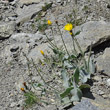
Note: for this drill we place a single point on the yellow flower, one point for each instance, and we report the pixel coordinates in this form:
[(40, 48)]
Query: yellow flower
[(68, 27), (42, 52), (49, 22), (22, 89)]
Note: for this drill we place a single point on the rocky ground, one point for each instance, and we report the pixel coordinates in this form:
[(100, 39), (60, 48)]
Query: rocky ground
[(22, 27)]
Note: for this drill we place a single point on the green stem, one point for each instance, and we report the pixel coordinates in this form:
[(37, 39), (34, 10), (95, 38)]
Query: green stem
[(42, 77), (38, 71), (83, 55), (74, 44), (63, 40), (52, 44), (53, 37)]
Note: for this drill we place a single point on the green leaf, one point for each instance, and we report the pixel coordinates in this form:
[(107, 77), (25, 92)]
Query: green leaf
[(77, 33), (76, 75), (66, 92), (73, 57), (84, 75), (55, 51), (65, 79), (84, 86), (31, 98)]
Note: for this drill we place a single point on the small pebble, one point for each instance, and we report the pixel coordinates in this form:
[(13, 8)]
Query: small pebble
[(104, 96), (100, 92), (108, 82), (97, 78), (13, 104)]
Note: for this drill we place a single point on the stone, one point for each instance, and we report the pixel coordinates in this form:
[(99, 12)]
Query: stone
[(103, 62), (13, 104), (26, 37), (7, 29), (69, 0), (104, 96), (35, 53), (64, 3), (59, 1), (85, 105), (10, 52), (28, 12), (30, 44), (97, 78), (100, 92), (108, 82), (93, 32), (27, 2), (99, 103)]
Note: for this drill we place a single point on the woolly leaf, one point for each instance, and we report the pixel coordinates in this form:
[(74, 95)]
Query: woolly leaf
[(84, 75), (76, 75), (66, 92), (65, 78)]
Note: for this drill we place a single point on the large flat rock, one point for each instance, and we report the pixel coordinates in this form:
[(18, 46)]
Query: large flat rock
[(89, 104), (94, 32), (27, 12), (29, 1), (103, 62), (7, 29)]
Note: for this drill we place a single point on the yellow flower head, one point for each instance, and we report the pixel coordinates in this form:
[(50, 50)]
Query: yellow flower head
[(68, 27), (49, 22), (42, 52), (22, 89)]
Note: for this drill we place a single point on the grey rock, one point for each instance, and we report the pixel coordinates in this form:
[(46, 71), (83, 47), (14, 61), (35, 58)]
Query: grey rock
[(28, 12), (85, 105), (64, 3), (100, 92), (93, 32), (97, 78), (108, 82), (10, 52), (27, 2), (26, 43), (59, 1), (69, 0), (7, 29), (103, 62), (35, 53), (13, 104), (104, 96)]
